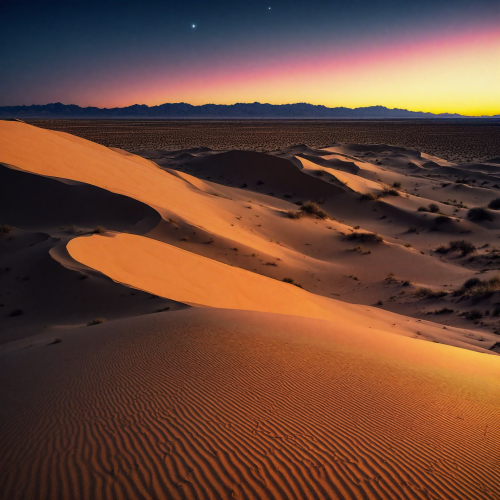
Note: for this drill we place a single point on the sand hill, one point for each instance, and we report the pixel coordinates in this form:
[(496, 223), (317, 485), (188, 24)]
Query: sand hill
[(294, 324)]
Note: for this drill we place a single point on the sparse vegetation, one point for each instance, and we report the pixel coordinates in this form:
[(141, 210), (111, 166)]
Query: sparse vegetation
[(379, 303), (413, 229), (292, 282), (387, 190), (369, 197), (397, 185), (479, 214), (365, 237), (479, 289), (494, 204), (96, 321), (99, 230), (311, 208), (427, 293), (271, 264), (434, 208), (473, 314), (463, 246), (318, 173), (444, 310), (294, 215)]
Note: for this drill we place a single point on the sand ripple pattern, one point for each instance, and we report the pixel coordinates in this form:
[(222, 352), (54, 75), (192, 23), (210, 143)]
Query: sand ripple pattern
[(210, 405)]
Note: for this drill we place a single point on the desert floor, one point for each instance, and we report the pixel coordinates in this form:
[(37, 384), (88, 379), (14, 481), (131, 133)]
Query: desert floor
[(313, 321)]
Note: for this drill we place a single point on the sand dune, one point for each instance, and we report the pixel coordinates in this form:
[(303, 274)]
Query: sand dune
[(214, 376), (213, 404)]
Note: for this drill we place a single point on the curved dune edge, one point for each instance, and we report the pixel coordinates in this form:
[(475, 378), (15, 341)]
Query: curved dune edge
[(229, 404), (179, 275)]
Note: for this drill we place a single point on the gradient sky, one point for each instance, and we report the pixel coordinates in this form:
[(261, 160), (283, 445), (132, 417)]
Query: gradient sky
[(428, 55)]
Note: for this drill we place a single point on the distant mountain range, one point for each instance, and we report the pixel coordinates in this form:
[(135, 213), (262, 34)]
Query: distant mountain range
[(239, 110)]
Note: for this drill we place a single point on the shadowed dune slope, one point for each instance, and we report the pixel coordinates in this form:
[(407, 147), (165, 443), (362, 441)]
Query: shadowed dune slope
[(231, 404), (262, 171), (32, 202)]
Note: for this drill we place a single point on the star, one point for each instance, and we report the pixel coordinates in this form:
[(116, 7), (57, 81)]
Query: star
[(193, 26), (269, 8)]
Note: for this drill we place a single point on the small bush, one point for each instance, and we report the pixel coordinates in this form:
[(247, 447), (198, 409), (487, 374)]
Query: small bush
[(99, 230), (427, 293), (473, 314), (422, 209), (365, 237), (441, 219), (413, 229), (494, 204), (479, 289), (96, 321), (379, 303), (434, 208), (397, 185), (369, 197), (294, 215), (292, 282), (444, 310), (271, 264), (5, 229), (442, 249), (479, 214), (312, 208), (390, 191), (463, 246), (318, 173)]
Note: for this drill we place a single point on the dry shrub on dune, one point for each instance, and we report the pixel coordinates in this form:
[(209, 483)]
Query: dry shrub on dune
[(479, 214), (294, 215), (5, 229), (365, 237), (311, 208), (427, 293), (479, 289), (387, 190), (369, 197), (463, 246), (494, 204)]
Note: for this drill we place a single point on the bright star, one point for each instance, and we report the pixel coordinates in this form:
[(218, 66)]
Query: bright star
[(269, 8), (193, 26)]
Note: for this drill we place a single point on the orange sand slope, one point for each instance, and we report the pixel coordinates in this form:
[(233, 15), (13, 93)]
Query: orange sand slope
[(173, 273), (229, 404)]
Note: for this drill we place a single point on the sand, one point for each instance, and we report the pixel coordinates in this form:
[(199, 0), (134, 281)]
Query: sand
[(212, 375)]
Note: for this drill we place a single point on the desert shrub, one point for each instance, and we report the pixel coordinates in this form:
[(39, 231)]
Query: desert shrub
[(5, 229), (292, 282), (441, 219), (434, 208), (369, 197), (99, 230), (479, 214), (408, 245), (397, 185), (444, 310), (365, 237), (427, 293), (494, 204), (473, 314), (442, 249), (406, 283), (318, 173), (379, 303), (413, 229), (312, 208), (463, 246), (479, 289), (96, 321), (387, 190), (422, 209), (294, 215)]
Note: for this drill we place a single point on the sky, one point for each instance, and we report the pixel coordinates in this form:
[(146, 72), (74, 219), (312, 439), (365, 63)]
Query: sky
[(427, 55)]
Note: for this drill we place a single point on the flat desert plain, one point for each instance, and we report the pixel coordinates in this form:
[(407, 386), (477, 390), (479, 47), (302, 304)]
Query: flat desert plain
[(312, 321)]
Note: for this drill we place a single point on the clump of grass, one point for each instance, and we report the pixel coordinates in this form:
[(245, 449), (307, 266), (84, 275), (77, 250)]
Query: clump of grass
[(422, 209), (271, 264), (311, 208), (387, 190), (408, 245), (365, 237), (434, 208), (99, 230), (369, 197), (479, 214), (96, 321), (494, 204), (444, 310), (441, 219), (5, 229), (463, 246), (379, 303), (292, 282), (318, 173), (397, 185), (209, 242), (473, 314), (413, 229), (479, 289), (427, 293), (294, 215)]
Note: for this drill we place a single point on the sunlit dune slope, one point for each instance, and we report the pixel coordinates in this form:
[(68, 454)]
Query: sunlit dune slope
[(231, 404), (185, 277)]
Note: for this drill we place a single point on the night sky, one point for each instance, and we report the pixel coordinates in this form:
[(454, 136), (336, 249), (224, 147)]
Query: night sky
[(430, 55)]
